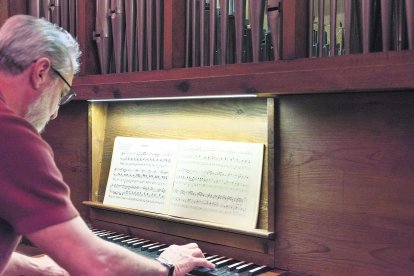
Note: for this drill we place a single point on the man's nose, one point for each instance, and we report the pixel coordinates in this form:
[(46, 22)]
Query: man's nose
[(54, 115)]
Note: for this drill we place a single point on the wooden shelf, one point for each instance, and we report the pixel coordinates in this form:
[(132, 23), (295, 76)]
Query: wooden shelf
[(384, 71), (261, 233)]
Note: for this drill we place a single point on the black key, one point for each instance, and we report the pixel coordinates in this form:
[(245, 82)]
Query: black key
[(215, 260), (224, 262), (103, 235), (159, 251), (121, 238), (258, 270), (211, 257), (102, 232), (130, 240), (145, 247), (115, 236), (243, 267), (156, 247), (233, 266), (140, 243), (96, 231)]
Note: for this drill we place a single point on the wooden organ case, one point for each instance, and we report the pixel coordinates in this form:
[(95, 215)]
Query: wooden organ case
[(250, 120), (337, 182)]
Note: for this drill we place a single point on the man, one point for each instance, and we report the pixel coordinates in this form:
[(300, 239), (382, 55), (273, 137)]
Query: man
[(37, 63)]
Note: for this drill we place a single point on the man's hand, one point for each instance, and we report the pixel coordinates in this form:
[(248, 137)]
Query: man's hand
[(33, 266), (185, 258)]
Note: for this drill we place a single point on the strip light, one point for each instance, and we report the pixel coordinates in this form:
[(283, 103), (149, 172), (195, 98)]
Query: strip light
[(176, 98)]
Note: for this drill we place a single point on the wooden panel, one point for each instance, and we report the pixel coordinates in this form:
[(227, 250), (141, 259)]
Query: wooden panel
[(168, 38), (273, 152), (153, 218), (97, 125), (18, 7), (4, 12), (345, 202), (174, 34), (243, 241), (350, 73), (86, 26), (9, 8), (68, 136), (294, 29)]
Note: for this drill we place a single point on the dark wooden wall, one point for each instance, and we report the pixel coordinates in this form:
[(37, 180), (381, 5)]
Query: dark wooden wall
[(346, 189), (68, 136)]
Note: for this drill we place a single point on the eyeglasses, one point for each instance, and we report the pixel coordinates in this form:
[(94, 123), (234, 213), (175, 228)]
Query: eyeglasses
[(65, 98)]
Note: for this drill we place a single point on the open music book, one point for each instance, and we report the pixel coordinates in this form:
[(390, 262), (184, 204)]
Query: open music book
[(206, 180)]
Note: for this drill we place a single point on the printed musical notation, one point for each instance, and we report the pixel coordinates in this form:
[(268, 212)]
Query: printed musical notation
[(213, 181), (141, 173), (211, 202)]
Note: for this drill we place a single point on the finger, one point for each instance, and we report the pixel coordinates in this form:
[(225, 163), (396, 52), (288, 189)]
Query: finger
[(196, 252), (191, 245), (204, 262)]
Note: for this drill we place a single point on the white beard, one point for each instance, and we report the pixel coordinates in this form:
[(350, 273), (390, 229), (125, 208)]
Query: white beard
[(37, 111)]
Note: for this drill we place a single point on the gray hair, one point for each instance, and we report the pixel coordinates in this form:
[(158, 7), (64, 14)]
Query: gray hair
[(24, 39)]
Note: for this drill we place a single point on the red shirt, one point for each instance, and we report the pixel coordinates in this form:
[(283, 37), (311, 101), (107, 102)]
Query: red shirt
[(33, 194)]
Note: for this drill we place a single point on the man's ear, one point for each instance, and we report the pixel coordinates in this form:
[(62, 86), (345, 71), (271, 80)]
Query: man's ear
[(40, 72)]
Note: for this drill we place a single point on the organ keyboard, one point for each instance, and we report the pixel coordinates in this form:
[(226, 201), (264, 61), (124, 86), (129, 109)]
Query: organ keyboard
[(225, 266)]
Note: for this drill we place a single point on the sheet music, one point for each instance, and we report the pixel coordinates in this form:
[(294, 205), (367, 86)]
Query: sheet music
[(218, 182), (213, 181), (141, 173)]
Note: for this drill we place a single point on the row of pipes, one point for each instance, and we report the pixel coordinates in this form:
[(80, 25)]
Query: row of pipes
[(129, 33), (338, 27)]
